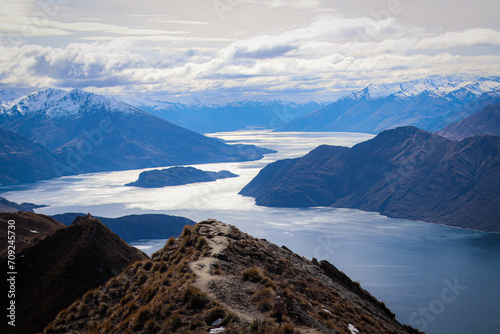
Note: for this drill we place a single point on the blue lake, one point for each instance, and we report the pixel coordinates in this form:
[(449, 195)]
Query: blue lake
[(435, 278)]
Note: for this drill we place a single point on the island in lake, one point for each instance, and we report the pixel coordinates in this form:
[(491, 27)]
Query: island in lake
[(176, 176)]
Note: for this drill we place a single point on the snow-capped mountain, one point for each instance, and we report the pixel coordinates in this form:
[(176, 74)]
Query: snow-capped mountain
[(6, 99), (430, 104), (8, 95), (434, 85), (91, 132), (60, 103)]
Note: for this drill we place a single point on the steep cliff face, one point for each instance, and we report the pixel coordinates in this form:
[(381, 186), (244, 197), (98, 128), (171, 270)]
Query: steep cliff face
[(214, 275), (405, 173), (59, 269)]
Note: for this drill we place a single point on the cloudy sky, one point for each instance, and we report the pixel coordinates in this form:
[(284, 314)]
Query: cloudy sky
[(234, 49)]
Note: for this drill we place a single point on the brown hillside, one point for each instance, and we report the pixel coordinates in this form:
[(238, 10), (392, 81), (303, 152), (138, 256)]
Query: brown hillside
[(213, 271), (59, 269), (29, 229)]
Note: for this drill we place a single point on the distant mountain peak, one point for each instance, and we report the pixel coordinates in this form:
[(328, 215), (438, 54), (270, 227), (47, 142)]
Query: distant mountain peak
[(433, 85), (57, 103), (429, 103)]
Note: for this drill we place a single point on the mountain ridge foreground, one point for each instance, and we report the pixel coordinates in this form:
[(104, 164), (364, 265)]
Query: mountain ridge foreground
[(214, 275), (402, 173), (56, 271)]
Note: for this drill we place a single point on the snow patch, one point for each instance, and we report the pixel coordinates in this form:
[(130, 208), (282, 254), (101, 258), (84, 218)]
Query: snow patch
[(353, 329), (217, 330)]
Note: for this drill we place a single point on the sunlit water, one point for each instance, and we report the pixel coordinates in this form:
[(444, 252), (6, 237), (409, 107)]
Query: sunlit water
[(436, 278)]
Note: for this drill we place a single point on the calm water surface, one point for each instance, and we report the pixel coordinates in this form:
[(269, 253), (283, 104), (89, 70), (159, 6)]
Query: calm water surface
[(436, 278)]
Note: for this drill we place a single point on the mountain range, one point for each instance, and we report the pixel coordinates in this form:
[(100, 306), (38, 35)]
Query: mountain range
[(7, 96), (86, 132), (430, 104), (204, 117), (403, 173)]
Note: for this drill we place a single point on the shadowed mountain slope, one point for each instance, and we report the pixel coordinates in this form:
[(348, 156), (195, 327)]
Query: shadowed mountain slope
[(59, 269), (214, 271), (8, 206), (22, 160), (484, 122)]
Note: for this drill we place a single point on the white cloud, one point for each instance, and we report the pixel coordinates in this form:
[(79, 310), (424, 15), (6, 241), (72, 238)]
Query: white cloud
[(332, 52), (301, 4)]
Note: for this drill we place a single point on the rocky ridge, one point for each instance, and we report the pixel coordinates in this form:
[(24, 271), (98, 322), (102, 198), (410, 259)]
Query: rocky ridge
[(214, 275)]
